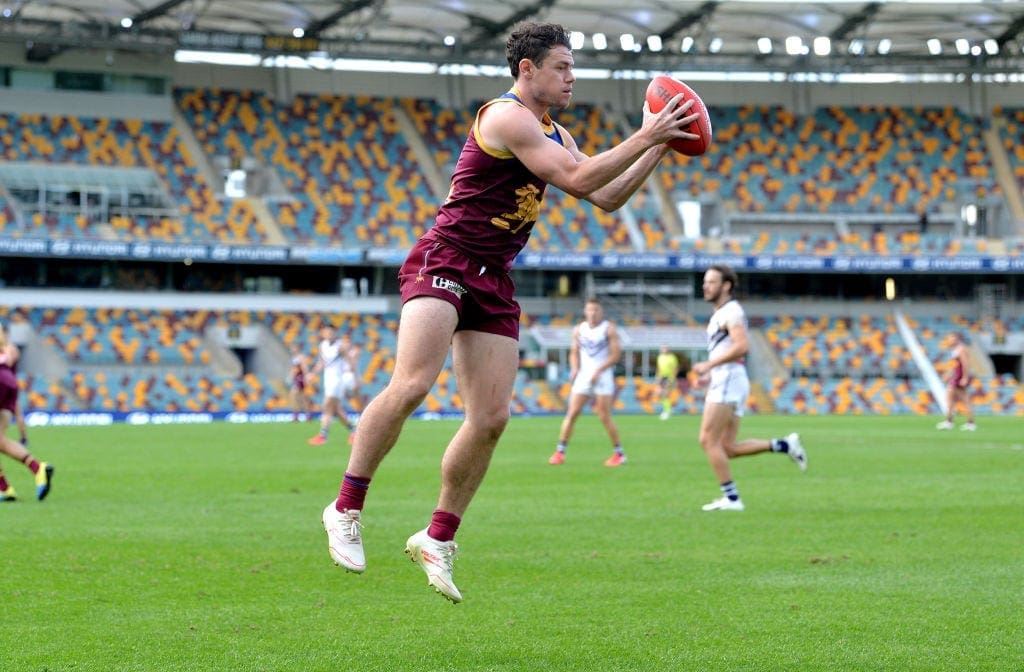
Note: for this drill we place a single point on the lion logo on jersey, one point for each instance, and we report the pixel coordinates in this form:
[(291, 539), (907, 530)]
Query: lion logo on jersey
[(528, 208)]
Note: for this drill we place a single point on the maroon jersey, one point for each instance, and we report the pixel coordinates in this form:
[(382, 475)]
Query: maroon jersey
[(494, 199)]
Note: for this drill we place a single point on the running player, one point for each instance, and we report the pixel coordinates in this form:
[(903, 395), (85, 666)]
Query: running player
[(9, 355), (457, 293), (594, 351), (725, 375), (338, 361)]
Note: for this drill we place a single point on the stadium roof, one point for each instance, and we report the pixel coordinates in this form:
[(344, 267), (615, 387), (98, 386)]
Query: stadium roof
[(894, 35)]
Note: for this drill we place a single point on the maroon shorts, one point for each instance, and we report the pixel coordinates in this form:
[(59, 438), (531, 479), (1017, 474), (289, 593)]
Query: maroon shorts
[(8, 391), (960, 383), (482, 296)]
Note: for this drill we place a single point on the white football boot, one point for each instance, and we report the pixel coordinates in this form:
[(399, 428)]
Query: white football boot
[(437, 559), (344, 538), (724, 504), (796, 451)]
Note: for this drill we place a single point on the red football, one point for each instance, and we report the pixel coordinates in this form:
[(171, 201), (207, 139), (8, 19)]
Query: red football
[(661, 90)]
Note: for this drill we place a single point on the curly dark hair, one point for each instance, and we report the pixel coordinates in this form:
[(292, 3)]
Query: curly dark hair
[(533, 41)]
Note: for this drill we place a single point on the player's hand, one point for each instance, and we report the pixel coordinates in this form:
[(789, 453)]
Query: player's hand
[(701, 368), (700, 382), (668, 124)]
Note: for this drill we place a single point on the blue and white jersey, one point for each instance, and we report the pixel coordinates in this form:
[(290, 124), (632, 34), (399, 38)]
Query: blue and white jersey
[(594, 345), (730, 314)]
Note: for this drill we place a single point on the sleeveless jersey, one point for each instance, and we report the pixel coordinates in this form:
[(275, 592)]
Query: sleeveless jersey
[(334, 361), (8, 372), (494, 199), (594, 346), (960, 378), (298, 376), (719, 340)]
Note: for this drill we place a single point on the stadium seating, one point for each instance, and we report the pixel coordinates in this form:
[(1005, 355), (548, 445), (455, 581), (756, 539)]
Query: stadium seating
[(351, 177), (68, 140), (136, 359), (887, 160)]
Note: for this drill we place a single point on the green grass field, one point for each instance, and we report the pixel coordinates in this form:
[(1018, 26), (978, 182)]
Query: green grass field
[(200, 548)]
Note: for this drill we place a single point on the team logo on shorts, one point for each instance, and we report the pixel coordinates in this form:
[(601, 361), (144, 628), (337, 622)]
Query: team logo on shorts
[(448, 285)]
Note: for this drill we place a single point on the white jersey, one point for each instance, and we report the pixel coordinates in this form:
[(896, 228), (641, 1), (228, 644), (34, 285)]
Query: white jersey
[(334, 361), (339, 378), (729, 383), (594, 348)]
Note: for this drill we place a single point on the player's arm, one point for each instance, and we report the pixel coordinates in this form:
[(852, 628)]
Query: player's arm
[(614, 348), (353, 360), (318, 367), (614, 351), (614, 195), (514, 128), (739, 348), (964, 363), (574, 354)]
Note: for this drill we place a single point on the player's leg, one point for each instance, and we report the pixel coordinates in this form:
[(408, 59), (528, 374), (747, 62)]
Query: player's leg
[(327, 413), (485, 371), (19, 422), (43, 471), (965, 396), (424, 336), (577, 402), (719, 426), (603, 409), (947, 423)]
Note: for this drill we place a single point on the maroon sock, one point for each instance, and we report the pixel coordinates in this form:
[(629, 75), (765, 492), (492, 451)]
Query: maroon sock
[(443, 525), (352, 493), (3, 483), (31, 463)]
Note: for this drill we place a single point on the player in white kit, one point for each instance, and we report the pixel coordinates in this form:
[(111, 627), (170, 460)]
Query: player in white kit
[(338, 361), (594, 351), (725, 375)]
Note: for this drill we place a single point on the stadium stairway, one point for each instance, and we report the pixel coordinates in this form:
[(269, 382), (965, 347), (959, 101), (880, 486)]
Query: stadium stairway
[(432, 172), (1003, 172), (760, 400)]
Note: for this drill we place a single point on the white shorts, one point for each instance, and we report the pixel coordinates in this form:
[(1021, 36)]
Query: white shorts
[(604, 387), (338, 385), (729, 386)]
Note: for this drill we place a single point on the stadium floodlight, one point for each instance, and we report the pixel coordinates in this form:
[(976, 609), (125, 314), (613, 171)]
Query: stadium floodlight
[(686, 45), (991, 47), (576, 40), (856, 47), (449, 40), (654, 42), (764, 45), (934, 46), (627, 42), (716, 45), (600, 41), (822, 46), (298, 32), (794, 45), (884, 46), (963, 47), (127, 22)]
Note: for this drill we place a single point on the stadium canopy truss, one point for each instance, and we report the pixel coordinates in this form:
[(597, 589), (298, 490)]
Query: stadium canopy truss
[(900, 36)]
